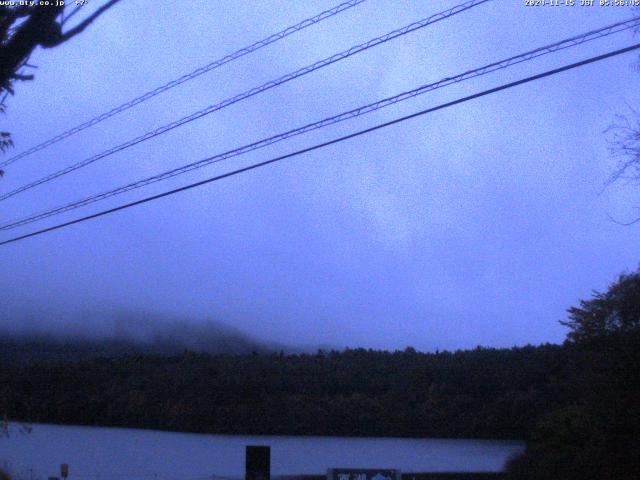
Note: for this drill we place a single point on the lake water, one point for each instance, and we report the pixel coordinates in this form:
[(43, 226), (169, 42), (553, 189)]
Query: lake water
[(117, 453)]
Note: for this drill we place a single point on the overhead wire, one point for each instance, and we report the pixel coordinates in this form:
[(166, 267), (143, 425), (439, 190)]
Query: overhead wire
[(69, 17), (252, 92), (371, 107), (254, 166), (185, 78)]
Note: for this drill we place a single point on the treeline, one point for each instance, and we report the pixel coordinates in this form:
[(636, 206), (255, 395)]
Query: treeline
[(481, 393), (576, 404), (597, 434)]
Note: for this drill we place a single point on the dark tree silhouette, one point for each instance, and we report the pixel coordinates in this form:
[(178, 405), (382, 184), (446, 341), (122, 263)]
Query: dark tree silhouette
[(23, 28), (625, 145), (597, 435), (616, 311)]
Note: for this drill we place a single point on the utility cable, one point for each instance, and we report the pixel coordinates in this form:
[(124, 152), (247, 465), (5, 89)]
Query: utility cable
[(185, 78), (567, 43), (506, 86), (250, 93)]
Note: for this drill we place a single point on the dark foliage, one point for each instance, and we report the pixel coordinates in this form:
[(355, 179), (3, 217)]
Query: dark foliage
[(25, 26), (577, 404), (596, 436), (167, 340), (615, 312), (482, 393)]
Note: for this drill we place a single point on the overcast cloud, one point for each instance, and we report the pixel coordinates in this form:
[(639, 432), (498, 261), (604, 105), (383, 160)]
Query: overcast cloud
[(478, 224)]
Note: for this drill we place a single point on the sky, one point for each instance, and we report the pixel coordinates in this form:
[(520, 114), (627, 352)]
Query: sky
[(479, 224)]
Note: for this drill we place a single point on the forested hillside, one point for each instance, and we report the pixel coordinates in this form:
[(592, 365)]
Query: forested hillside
[(488, 393), (596, 435), (576, 403)]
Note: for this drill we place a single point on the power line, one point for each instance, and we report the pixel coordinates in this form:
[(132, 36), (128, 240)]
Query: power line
[(254, 91), (185, 78), (532, 78), (66, 19), (567, 43)]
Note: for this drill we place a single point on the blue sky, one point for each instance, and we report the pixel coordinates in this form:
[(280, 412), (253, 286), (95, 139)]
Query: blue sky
[(478, 224)]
